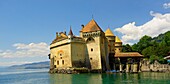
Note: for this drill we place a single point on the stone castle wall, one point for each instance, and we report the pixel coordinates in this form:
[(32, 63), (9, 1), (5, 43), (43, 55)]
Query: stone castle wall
[(155, 67), (62, 56), (78, 54)]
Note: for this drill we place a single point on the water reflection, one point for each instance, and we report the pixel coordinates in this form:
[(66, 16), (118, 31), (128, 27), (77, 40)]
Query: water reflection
[(60, 79), (116, 78), (157, 76), (120, 78), (75, 79)]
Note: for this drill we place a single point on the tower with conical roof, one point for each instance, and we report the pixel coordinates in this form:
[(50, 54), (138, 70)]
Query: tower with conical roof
[(118, 45), (95, 43), (70, 35), (111, 39), (111, 46)]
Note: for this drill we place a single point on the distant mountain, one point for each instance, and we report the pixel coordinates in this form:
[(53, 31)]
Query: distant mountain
[(37, 65)]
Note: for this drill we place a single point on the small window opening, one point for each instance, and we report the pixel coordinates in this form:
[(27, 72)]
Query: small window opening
[(92, 49), (49, 55), (90, 58), (63, 62), (57, 62), (60, 54)]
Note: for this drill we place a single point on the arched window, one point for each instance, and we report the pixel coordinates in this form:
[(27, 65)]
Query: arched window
[(90, 40)]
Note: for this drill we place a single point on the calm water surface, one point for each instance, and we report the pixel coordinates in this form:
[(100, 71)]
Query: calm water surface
[(22, 76)]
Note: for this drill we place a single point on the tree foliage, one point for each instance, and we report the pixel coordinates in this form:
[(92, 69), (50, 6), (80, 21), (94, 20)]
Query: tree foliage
[(127, 48), (152, 48)]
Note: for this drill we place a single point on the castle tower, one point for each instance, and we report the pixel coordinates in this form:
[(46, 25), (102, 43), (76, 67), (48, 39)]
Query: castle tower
[(111, 47), (111, 39), (118, 45), (95, 43)]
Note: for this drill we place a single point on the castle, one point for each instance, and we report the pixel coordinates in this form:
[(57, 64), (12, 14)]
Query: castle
[(93, 49)]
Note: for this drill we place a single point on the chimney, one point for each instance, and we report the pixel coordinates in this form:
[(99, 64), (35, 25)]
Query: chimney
[(60, 33), (82, 26), (56, 34), (65, 32)]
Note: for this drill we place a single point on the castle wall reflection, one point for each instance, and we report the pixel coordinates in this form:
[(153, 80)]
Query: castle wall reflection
[(116, 78)]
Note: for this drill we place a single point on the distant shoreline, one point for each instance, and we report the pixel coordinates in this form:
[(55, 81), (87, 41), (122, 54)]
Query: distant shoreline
[(36, 65)]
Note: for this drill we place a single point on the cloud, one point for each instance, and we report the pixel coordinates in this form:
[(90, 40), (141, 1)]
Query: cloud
[(166, 5), (132, 33), (26, 50)]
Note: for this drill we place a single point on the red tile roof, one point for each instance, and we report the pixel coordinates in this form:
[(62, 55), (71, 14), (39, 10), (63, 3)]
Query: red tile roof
[(91, 27), (128, 54)]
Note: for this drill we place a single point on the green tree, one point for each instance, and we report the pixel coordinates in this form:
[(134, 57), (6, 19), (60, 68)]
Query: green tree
[(127, 48), (149, 51), (135, 47), (142, 44), (153, 58), (154, 48)]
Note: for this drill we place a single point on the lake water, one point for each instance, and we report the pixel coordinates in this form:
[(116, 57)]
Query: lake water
[(40, 76)]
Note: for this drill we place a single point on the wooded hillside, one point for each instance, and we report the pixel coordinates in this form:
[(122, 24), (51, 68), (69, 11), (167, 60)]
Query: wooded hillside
[(152, 48)]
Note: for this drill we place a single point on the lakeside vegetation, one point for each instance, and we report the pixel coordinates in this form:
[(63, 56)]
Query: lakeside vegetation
[(152, 48)]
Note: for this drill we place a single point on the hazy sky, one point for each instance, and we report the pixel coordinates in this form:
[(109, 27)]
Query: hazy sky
[(27, 27)]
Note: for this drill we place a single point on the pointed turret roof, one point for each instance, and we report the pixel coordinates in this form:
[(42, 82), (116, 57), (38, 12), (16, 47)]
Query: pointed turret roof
[(70, 33), (91, 27), (117, 39), (108, 32)]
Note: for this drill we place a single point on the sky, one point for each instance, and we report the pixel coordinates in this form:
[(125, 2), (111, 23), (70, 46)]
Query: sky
[(27, 27)]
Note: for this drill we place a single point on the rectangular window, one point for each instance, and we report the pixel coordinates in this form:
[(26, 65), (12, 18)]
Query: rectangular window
[(57, 62), (54, 66), (63, 62)]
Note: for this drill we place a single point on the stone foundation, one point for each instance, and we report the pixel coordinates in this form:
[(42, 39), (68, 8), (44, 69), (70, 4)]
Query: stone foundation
[(74, 70), (155, 67), (69, 70)]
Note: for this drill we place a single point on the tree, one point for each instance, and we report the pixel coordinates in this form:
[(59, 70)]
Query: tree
[(127, 48), (154, 48), (144, 42), (135, 47), (149, 51), (153, 58)]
